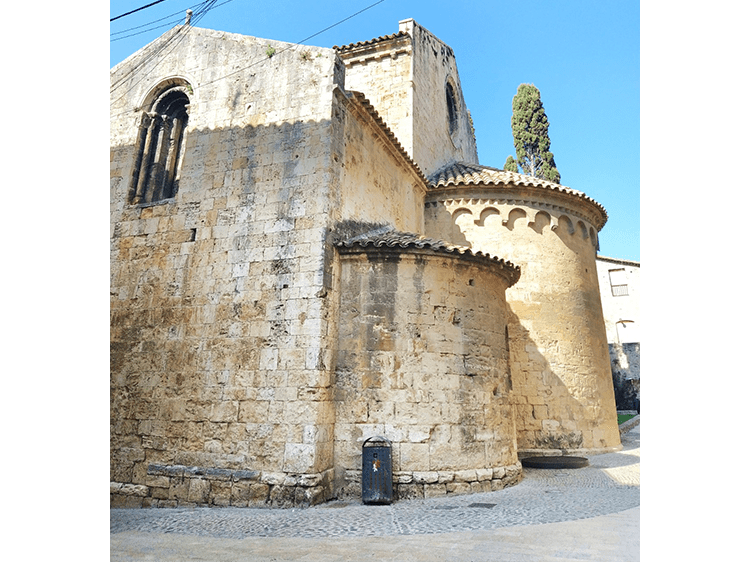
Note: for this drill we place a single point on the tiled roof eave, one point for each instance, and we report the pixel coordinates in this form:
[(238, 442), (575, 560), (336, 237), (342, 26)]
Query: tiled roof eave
[(395, 242), (359, 99), (458, 176), (618, 261), (372, 42)]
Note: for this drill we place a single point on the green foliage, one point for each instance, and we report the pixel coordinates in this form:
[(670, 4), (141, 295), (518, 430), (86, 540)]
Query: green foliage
[(270, 51), (531, 135), (510, 165)]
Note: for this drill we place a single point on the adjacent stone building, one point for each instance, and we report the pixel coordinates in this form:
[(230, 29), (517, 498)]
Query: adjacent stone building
[(306, 253)]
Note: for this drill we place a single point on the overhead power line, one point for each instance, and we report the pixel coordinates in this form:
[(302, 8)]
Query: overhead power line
[(136, 10), (297, 43), (172, 16), (170, 43), (209, 5)]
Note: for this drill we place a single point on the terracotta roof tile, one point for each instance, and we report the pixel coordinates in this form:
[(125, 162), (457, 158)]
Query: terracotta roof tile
[(387, 237), (360, 98), (466, 174), (474, 174), (380, 39)]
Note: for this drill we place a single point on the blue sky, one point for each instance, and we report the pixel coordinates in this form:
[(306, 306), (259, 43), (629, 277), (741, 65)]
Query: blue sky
[(583, 55)]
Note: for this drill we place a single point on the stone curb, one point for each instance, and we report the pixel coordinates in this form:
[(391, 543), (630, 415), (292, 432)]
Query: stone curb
[(630, 424)]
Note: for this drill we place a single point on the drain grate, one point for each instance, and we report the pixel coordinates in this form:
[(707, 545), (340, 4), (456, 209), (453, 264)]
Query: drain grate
[(485, 505)]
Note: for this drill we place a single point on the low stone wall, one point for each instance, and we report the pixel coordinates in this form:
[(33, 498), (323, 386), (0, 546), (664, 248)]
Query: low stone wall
[(193, 486), (630, 424), (413, 485)]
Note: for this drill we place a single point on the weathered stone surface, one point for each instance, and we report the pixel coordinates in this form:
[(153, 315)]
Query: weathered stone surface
[(122, 501), (273, 300), (556, 334), (458, 488), (282, 496), (245, 475), (247, 493), (425, 477), (159, 493), (310, 480), (390, 288), (132, 490), (273, 478), (466, 476), (409, 491), (434, 490), (198, 491), (484, 474), (220, 494)]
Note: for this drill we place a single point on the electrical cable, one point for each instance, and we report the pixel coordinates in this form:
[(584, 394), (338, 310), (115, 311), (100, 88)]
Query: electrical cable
[(259, 61), (172, 41), (136, 10), (180, 13), (168, 24), (295, 44)]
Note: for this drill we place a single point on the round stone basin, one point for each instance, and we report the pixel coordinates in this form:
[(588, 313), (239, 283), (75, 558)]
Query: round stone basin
[(554, 462)]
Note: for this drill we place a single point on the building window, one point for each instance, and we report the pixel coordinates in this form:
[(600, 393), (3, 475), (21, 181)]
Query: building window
[(618, 282), (450, 99), (161, 144)]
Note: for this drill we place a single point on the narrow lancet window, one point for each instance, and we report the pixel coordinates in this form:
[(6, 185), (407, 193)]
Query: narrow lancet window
[(450, 99)]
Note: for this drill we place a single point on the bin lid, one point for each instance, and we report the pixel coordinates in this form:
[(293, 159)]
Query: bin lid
[(375, 438)]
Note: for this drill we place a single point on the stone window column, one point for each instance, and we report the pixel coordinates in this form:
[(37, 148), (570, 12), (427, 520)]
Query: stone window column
[(145, 156), (160, 148)]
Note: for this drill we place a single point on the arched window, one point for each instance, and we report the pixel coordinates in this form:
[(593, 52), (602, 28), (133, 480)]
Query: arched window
[(450, 100), (161, 144)]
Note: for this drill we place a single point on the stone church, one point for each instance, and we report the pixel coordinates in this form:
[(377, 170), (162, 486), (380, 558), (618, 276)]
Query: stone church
[(306, 253)]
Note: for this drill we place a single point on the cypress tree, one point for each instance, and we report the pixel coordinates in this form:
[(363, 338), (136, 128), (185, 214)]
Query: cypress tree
[(510, 165), (531, 135)]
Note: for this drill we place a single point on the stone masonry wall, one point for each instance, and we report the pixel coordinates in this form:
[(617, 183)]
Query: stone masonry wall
[(423, 361), (405, 78), (220, 351), (250, 358), (434, 67), (222, 334), (382, 72), (559, 361), (378, 184)]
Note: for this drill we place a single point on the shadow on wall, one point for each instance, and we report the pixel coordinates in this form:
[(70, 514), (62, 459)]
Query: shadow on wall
[(548, 416), (199, 312), (456, 235), (626, 374), (572, 232), (547, 413)]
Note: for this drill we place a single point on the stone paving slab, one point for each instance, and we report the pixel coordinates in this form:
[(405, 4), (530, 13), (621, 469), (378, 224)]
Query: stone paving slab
[(607, 538), (590, 513)]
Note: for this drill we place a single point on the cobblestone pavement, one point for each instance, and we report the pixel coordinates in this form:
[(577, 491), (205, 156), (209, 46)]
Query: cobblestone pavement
[(589, 513)]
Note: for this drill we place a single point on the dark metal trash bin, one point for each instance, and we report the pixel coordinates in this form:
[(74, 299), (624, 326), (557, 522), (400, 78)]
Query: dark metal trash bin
[(377, 471)]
